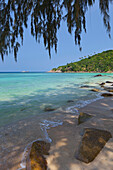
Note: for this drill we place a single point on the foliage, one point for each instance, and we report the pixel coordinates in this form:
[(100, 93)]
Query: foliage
[(101, 62), (45, 18)]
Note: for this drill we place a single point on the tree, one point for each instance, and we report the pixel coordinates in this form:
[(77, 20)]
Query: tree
[(45, 18)]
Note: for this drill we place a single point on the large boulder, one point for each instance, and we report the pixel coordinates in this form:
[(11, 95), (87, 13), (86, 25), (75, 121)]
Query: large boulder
[(83, 117), (107, 94), (92, 143), (36, 159)]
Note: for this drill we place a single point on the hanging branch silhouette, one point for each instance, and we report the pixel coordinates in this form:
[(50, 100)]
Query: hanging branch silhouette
[(45, 18)]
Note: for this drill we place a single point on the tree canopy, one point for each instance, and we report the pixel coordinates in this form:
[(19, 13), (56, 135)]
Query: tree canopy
[(45, 19), (101, 62)]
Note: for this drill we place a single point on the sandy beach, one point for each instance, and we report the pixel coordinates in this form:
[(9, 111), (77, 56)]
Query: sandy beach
[(66, 139)]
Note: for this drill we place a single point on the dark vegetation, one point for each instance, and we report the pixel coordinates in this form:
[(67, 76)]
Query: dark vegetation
[(101, 62), (45, 17)]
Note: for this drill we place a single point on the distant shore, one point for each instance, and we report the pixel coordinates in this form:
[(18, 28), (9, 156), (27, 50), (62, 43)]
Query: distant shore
[(59, 71)]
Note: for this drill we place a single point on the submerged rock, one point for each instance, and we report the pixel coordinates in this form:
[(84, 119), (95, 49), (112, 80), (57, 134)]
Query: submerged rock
[(70, 101), (92, 143), (83, 117), (85, 86), (36, 159), (49, 109), (109, 90), (107, 94), (98, 75), (109, 81), (95, 90)]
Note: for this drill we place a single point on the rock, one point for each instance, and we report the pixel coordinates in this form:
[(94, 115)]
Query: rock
[(85, 86), (36, 159), (107, 94), (49, 109), (95, 90), (109, 90), (109, 81), (83, 117), (92, 143), (98, 75), (70, 101), (102, 84), (23, 109)]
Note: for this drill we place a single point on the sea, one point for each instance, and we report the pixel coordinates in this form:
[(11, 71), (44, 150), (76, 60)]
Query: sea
[(23, 95)]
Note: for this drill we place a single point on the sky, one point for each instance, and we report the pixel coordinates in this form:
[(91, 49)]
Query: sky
[(33, 56)]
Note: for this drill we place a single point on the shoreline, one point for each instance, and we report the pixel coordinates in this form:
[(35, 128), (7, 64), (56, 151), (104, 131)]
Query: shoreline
[(59, 71), (15, 137), (13, 149), (16, 149)]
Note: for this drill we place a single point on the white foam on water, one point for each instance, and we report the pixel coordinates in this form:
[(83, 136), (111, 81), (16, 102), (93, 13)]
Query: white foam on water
[(46, 124), (82, 103)]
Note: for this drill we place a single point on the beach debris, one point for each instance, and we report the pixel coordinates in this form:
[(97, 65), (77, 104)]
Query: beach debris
[(95, 90), (107, 94), (109, 81), (98, 75), (83, 117), (49, 109), (92, 143), (70, 101), (36, 159)]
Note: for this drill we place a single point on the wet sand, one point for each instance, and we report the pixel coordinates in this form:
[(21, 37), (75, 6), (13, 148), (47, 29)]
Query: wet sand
[(65, 138), (15, 137)]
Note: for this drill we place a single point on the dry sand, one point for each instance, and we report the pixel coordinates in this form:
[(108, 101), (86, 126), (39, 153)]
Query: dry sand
[(67, 138)]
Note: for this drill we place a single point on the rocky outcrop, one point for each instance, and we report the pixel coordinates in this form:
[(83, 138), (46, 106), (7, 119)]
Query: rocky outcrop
[(109, 81), (83, 117), (98, 75), (36, 159), (107, 94), (92, 143)]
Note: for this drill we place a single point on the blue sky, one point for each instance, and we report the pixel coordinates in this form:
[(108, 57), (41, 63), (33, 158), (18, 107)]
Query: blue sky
[(33, 56)]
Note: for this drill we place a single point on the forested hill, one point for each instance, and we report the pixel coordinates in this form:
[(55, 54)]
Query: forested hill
[(102, 62)]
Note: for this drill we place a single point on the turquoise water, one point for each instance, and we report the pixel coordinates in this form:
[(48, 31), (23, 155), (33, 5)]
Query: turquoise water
[(27, 94)]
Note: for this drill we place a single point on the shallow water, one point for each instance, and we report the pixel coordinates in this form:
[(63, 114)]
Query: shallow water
[(26, 94)]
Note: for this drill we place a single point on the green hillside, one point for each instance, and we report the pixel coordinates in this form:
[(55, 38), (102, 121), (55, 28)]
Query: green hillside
[(102, 62)]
